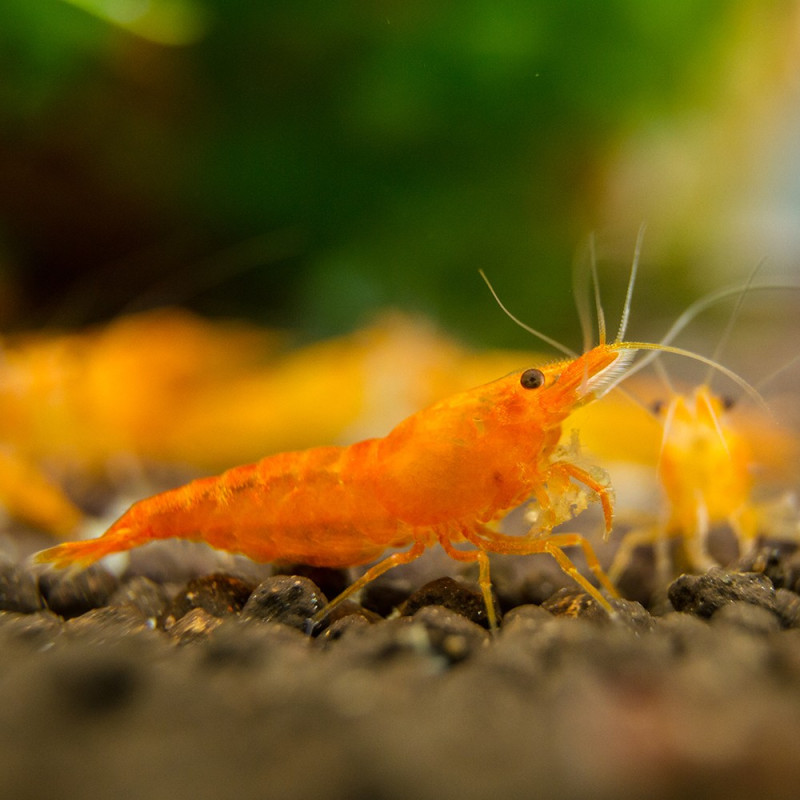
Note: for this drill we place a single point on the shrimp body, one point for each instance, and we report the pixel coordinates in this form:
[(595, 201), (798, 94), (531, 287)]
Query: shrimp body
[(441, 475), (706, 473), (705, 464)]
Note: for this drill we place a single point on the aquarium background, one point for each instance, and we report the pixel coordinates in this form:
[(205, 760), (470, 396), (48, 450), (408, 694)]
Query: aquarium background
[(304, 164)]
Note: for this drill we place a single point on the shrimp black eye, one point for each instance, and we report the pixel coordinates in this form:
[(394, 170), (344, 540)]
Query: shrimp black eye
[(727, 402), (532, 378)]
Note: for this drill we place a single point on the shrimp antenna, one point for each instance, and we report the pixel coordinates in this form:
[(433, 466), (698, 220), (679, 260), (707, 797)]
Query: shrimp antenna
[(543, 336), (626, 308), (598, 305), (726, 334), (581, 294), (779, 371), (696, 308), (679, 351)]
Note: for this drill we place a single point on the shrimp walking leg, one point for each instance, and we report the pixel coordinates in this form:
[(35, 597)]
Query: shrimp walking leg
[(553, 547), (553, 544), (394, 560), (484, 581)]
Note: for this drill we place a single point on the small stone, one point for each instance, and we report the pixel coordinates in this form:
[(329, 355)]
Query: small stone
[(193, 626), (70, 595), (574, 604), (19, 590), (769, 561), (632, 615), (331, 582), (343, 626), (386, 594), (451, 634), (450, 594), (394, 639), (109, 622), (527, 617), (787, 604), (39, 629), (246, 644), (289, 599), (704, 594), (146, 596), (218, 594)]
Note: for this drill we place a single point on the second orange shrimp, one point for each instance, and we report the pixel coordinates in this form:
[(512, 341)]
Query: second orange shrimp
[(443, 475)]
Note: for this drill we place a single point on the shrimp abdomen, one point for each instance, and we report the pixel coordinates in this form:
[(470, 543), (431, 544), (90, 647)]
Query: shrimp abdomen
[(315, 507)]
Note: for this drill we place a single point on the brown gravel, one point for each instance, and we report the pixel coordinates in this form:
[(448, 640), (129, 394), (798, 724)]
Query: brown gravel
[(139, 687)]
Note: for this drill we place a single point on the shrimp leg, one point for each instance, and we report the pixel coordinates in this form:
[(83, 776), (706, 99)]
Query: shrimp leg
[(553, 545), (394, 560), (482, 557), (604, 493)]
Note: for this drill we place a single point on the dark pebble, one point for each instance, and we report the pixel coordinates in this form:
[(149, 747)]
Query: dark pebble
[(787, 604), (247, 644), (343, 626), (71, 594), (149, 598), (350, 609), (543, 579), (38, 629), (632, 615), (289, 599), (451, 634), (450, 594), (19, 590), (331, 582), (574, 603), (525, 618), (792, 571), (704, 594), (194, 626), (385, 594), (771, 562), (380, 645), (107, 623), (218, 594)]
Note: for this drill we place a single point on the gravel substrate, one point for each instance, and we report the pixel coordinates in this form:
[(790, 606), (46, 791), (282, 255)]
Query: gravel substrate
[(139, 688)]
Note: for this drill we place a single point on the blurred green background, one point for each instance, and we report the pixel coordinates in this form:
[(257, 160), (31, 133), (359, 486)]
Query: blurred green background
[(305, 163)]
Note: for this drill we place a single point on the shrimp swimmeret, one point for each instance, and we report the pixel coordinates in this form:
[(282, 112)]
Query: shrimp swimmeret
[(445, 474)]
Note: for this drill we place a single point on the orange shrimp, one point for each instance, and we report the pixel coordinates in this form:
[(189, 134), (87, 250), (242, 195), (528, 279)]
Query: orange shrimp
[(444, 474), (706, 464)]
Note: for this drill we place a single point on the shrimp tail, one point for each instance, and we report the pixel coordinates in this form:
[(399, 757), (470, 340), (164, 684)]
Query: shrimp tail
[(85, 552)]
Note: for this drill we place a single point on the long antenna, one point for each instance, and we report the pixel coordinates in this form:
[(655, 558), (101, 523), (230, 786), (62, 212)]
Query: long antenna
[(598, 305), (726, 334), (543, 336), (580, 292), (626, 309), (697, 308), (662, 348)]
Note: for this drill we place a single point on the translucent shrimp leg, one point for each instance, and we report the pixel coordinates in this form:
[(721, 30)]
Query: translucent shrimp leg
[(394, 560)]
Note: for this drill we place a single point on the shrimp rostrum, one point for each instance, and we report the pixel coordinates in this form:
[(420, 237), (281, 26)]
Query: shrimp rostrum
[(444, 475)]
